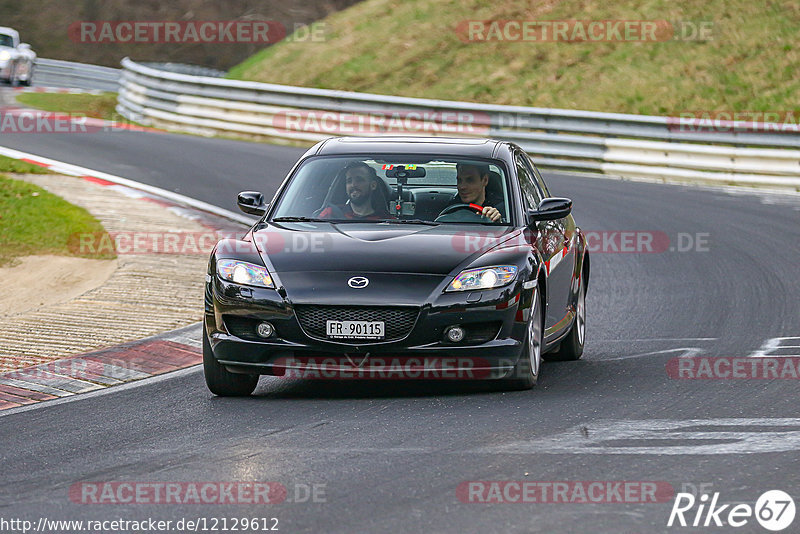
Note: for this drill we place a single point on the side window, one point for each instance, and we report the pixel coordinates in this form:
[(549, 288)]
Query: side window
[(529, 191), (538, 177)]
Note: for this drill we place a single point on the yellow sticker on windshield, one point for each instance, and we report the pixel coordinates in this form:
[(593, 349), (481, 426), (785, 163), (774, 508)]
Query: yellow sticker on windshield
[(409, 167)]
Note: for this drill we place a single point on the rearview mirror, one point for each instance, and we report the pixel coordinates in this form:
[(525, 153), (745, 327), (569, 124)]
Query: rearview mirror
[(404, 172), (551, 209), (252, 202)]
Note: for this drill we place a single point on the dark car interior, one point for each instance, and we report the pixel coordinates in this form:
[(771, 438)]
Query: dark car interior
[(421, 196)]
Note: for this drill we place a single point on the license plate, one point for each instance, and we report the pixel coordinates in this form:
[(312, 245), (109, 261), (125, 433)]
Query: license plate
[(354, 329)]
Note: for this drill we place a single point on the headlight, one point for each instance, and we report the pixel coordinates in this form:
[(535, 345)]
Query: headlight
[(483, 278), (241, 272), (4, 56)]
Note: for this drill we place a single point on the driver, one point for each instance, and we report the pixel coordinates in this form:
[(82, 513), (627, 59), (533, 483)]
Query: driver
[(363, 199), (472, 179)]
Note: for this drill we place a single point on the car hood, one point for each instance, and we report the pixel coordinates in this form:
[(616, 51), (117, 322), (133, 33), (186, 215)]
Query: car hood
[(374, 248)]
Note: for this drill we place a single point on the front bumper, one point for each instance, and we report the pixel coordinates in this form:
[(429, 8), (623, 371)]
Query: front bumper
[(500, 317)]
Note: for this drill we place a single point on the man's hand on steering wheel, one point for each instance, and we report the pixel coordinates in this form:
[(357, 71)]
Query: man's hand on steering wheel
[(491, 213)]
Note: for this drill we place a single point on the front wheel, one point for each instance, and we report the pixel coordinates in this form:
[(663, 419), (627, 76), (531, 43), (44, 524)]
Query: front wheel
[(221, 381), (12, 76), (526, 372)]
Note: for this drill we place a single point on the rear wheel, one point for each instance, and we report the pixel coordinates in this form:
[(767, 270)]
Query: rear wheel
[(526, 371), (571, 348), (221, 381)]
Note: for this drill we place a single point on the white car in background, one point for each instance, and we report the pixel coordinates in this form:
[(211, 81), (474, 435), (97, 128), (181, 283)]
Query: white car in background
[(16, 59)]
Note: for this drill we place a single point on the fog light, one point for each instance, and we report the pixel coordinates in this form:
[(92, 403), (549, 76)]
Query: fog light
[(265, 329), (455, 334)]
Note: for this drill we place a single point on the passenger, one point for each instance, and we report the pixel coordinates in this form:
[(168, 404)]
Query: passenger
[(364, 200)]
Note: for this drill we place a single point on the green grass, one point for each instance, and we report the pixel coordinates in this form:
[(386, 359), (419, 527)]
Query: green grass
[(33, 221), (20, 167), (100, 106), (412, 49)]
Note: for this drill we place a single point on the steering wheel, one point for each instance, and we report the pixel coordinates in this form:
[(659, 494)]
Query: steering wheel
[(336, 212), (455, 207)]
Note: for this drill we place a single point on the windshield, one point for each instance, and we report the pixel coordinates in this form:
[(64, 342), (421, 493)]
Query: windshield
[(6, 40), (413, 189)]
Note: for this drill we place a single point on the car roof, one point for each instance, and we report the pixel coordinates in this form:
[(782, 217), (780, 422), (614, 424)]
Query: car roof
[(9, 31), (480, 148)]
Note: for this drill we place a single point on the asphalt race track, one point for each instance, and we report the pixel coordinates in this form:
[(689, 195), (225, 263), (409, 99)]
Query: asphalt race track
[(388, 456)]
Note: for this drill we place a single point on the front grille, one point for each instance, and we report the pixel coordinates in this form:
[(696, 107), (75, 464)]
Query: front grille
[(397, 321)]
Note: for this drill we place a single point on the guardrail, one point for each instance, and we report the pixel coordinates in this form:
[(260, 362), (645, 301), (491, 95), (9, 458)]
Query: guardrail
[(183, 68), (635, 146), (68, 74)]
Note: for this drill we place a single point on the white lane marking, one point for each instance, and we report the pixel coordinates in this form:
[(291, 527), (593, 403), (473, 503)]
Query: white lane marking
[(774, 344), (127, 191), (604, 437), (688, 352), (656, 339), (75, 170)]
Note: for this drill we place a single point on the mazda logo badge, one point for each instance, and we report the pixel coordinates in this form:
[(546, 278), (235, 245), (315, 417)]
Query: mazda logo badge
[(358, 282)]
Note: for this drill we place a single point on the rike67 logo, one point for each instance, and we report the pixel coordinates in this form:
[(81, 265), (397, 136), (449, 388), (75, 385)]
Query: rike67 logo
[(774, 510)]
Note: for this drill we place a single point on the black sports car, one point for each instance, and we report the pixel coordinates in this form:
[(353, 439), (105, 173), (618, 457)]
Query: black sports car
[(399, 258)]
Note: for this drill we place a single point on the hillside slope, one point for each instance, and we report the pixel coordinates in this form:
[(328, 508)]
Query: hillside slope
[(416, 48), (45, 25)]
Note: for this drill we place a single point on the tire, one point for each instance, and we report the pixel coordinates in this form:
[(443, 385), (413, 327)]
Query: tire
[(29, 81), (11, 75), (571, 348), (526, 371), (222, 382)]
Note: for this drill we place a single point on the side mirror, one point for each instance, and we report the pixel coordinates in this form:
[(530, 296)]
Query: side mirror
[(24, 46), (551, 209), (252, 202)]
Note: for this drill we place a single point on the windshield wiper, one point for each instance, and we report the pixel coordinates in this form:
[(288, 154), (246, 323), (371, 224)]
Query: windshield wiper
[(410, 221), (298, 219)]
